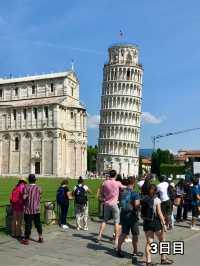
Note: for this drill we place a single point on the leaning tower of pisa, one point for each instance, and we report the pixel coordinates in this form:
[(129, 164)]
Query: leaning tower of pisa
[(119, 129)]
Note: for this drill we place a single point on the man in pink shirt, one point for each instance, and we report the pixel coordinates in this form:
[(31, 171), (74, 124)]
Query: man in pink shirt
[(110, 196)]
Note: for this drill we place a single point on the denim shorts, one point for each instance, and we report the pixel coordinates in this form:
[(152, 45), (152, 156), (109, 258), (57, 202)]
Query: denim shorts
[(129, 222), (111, 212)]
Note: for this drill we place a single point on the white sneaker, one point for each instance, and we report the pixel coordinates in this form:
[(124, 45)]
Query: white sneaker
[(85, 228), (194, 228), (128, 240), (64, 226)]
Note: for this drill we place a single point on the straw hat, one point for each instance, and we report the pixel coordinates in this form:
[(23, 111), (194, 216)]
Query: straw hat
[(22, 178)]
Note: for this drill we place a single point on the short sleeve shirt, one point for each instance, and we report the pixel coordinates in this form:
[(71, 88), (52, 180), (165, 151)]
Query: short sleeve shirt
[(84, 186), (66, 191), (127, 197), (140, 183), (162, 188), (32, 203), (110, 191)]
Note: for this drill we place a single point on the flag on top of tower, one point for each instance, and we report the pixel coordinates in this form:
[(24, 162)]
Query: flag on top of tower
[(72, 64)]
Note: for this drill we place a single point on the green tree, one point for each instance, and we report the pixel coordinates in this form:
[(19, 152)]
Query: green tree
[(92, 157), (160, 157), (168, 169), (140, 166)]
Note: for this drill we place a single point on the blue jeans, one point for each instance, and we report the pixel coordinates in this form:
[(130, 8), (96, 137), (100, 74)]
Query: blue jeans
[(63, 213)]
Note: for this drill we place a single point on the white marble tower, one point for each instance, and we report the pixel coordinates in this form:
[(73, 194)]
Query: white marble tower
[(119, 129)]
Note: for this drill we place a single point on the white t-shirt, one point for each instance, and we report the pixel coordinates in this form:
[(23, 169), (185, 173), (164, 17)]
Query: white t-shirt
[(84, 186), (162, 188), (140, 183)]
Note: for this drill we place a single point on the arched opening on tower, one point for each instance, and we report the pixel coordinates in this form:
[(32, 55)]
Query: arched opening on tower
[(129, 59), (128, 75)]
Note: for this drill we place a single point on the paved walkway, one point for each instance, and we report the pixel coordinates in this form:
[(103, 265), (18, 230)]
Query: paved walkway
[(76, 248)]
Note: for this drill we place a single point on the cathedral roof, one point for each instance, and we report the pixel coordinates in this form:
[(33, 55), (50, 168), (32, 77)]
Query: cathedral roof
[(65, 101), (34, 102), (37, 77)]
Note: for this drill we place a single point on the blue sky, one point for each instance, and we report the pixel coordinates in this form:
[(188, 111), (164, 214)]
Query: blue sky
[(43, 36)]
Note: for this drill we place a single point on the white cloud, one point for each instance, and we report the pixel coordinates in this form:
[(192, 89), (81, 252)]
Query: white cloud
[(93, 121), (149, 118)]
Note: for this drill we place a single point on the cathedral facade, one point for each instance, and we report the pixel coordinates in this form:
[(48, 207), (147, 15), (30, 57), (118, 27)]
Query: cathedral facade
[(42, 126)]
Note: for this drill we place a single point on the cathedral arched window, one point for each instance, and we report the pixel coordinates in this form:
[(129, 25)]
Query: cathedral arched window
[(16, 91), (14, 114), (16, 144), (35, 113), (25, 114), (52, 87), (46, 110), (33, 89)]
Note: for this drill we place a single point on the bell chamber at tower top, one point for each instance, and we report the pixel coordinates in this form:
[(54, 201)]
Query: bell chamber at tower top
[(123, 54)]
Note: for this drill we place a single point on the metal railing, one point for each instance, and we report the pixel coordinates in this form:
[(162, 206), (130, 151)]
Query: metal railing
[(93, 203)]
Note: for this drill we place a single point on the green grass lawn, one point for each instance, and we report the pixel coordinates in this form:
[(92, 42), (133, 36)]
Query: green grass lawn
[(49, 187)]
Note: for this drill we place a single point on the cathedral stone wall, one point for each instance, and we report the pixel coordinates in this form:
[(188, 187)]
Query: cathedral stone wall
[(42, 126)]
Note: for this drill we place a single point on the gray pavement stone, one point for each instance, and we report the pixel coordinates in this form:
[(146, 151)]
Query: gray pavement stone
[(75, 248)]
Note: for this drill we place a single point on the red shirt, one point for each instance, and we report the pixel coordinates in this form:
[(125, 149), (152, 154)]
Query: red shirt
[(19, 205)]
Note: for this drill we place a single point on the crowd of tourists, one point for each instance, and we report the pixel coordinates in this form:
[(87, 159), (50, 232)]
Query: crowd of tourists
[(25, 201), (121, 202)]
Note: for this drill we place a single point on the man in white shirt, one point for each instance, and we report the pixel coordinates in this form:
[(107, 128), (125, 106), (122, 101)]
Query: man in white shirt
[(141, 182), (81, 204), (166, 205)]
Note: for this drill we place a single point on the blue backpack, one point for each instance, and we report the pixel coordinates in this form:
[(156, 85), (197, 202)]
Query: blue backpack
[(61, 196), (125, 200)]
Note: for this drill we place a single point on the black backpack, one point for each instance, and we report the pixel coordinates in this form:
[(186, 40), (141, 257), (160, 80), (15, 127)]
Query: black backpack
[(80, 195), (147, 208), (171, 192), (61, 196)]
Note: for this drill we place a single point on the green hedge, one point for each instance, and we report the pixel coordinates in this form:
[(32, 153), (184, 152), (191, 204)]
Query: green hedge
[(168, 169)]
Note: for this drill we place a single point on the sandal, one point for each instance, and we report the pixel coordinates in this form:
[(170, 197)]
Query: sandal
[(40, 240), (166, 262), (138, 254), (120, 254)]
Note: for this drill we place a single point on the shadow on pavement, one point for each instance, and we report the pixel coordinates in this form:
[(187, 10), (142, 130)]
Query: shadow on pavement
[(182, 226), (91, 237)]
